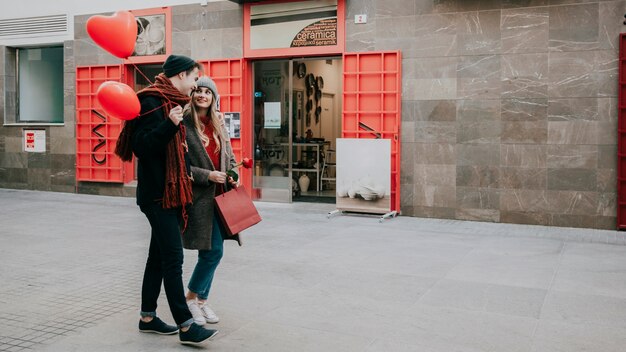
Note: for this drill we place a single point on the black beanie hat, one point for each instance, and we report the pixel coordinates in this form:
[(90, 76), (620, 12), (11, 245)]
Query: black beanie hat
[(175, 64)]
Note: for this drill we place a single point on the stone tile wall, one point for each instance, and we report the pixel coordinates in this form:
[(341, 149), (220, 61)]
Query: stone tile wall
[(509, 106)]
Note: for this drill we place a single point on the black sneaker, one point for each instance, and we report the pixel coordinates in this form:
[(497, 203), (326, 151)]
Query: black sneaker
[(196, 335), (157, 326)]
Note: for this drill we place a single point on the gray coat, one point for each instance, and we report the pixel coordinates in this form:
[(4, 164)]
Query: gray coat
[(200, 225)]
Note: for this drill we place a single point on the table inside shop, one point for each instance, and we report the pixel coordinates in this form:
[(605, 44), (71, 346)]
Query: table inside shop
[(318, 148)]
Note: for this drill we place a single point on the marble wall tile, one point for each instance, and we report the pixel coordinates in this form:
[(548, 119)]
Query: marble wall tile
[(523, 200), (606, 180), (523, 155), (435, 110), (11, 175), (407, 132), (62, 161), (181, 43), (490, 215), (606, 222), (435, 36), (607, 132), (478, 154), (478, 176), (434, 175), (563, 64), (574, 27), (522, 217), (607, 157), (570, 109), (524, 132), (430, 89), (573, 202), (610, 28), (435, 153), (435, 132), (478, 33), (607, 109), (607, 204), (477, 198), (395, 9), (396, 27), (580, 221), (360, 37), (407, 162), (478, 88), (434, 196), (478, 111), (478, 5), (572, 156), (406, 194), (13, 160), (478, 132), (523, 178), (360, 7), (38, 160), (524, 30), (438, 6), (38, 179), (483, 66), (434, 212), (13, 144), (572, 179), (525, 75), (444, 67), (524, 109), (572, 132)]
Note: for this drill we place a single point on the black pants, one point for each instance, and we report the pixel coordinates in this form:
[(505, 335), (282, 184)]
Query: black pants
[(165, 264)]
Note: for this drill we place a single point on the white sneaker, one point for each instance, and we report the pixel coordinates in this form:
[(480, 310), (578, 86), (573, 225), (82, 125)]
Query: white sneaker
[(196, 312), (208, 314)]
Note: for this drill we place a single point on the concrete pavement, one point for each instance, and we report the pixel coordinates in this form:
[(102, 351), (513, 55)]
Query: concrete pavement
[(71, 268)]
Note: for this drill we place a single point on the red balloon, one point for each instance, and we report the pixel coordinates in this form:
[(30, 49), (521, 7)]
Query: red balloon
[(116, 34), (118, 100)]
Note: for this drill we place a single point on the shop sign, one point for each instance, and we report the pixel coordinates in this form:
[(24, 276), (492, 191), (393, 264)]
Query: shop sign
[(321, 33)]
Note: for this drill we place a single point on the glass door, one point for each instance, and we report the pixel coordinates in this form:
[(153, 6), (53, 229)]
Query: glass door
[(272, 129)]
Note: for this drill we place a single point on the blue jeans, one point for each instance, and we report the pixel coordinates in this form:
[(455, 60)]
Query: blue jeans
[(208, 260)]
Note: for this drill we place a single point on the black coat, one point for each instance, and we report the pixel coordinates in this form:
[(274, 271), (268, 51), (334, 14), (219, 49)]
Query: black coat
[(151, 135)]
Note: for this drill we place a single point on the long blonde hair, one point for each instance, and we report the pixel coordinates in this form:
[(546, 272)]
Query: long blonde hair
[(216, 121)]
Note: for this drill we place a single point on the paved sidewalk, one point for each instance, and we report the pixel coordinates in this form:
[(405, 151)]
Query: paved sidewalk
[(71, 267)]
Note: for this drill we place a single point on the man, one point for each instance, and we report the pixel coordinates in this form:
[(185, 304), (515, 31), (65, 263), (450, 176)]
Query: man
[(157, 139)]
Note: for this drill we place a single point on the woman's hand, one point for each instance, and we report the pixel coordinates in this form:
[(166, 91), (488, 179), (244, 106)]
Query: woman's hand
[(232, 182), (217, 177)]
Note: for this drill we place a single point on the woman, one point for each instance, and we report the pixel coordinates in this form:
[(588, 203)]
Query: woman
[(210, 156)]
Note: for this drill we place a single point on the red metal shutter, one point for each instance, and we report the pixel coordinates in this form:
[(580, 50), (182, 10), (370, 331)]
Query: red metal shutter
[(372, 95), (621, 139), (228, 75), (96, 132)]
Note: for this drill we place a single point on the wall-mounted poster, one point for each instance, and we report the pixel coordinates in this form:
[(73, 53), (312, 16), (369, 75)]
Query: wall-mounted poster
[(272, 115), (364, 175), (35, 141), (150, 35), (232, 121)]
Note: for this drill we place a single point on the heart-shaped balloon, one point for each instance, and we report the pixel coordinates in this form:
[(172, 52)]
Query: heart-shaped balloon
[(118, 100), (116, 34)]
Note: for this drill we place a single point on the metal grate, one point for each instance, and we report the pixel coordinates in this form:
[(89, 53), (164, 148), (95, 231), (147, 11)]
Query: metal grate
[(33, 25)]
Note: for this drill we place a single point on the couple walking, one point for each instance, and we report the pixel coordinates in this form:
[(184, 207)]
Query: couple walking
[(183, 151)]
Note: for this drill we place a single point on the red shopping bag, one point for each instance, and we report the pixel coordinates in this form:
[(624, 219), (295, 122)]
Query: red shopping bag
[(236, 210)]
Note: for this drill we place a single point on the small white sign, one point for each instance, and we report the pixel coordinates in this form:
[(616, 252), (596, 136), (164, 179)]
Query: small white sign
[(360, 18), (272, 115), (35, 141)]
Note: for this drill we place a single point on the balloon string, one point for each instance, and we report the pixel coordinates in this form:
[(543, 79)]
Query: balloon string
[(168, 101)]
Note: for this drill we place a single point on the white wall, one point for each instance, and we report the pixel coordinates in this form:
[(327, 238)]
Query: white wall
[(34, 8)]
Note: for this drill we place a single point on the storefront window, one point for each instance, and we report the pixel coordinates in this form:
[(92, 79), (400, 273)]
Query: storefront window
[(38, 83)]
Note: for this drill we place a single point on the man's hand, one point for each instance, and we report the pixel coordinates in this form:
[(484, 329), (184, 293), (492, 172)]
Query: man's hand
[(176, 115)]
